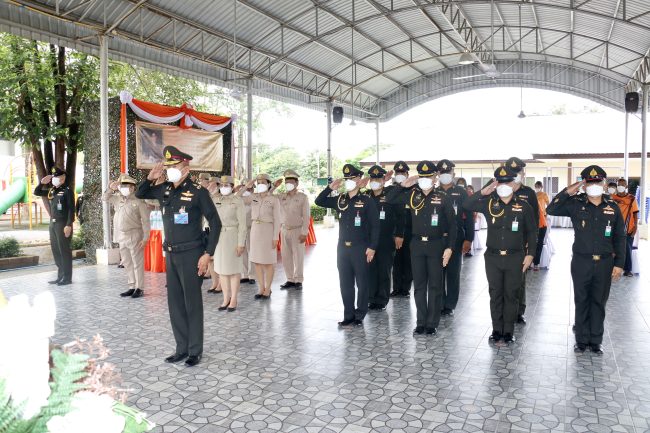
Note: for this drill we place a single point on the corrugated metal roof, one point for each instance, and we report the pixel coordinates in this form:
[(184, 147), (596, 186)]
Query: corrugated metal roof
[(301, 50)]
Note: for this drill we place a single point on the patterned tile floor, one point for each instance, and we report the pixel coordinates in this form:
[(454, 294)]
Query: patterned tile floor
[(284, 366)]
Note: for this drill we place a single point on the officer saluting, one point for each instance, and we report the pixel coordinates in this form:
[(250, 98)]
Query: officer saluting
[(402, 274), (434, 236), (598, 252), (61, 204), (525, 193), (391, 222), (184, 205), (358, 240), (511, 243), (464, 238)]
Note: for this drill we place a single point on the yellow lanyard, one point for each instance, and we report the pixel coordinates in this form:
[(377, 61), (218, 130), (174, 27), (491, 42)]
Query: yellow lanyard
[(416, 207), (494, 216), (342, 199)]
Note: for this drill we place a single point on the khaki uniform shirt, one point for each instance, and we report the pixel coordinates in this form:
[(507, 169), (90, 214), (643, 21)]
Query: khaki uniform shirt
[(131, 214), (232, 214), (294, 211)]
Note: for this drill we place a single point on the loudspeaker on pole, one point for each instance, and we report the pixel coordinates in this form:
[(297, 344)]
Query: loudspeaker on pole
[(337, 114)]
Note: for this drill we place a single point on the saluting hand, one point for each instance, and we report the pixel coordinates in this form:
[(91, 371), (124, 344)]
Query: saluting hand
[(336, 184), (202, 266), (490, 188), (573, 189), (388, 175), (156, 172), (250, 184), (445, 257), (528, 260), (616, 273), (361, 183), (370, 254), (185, 171), (47, 179), (113, 185), (277, 183), (410, 181)]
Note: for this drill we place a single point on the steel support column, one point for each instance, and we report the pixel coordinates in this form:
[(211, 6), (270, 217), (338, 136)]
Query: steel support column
[(328, 108), (103, 117), (626, 156), (644, 155), (249, 126), (377, 131)]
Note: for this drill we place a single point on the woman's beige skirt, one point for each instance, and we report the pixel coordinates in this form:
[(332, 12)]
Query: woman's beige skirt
[(262, 250)]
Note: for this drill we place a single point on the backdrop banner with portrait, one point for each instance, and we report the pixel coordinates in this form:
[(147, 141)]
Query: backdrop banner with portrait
[(205, 147)]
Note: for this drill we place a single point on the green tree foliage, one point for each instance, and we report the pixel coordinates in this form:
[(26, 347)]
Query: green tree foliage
[(44, 88)]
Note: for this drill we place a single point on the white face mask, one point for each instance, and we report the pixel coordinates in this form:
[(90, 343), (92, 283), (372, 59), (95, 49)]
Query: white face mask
[(446, 178), (246, 193), (262, 188), (425, 183), (125, 191), (611, 190), (594, 190), (225, 190), (56, 181), (375, 185), (173, 174), (621, 189), (350, 185), (461, 185), (400, 178), (538, 189), (518, 178), (290, 186), (504, 190)]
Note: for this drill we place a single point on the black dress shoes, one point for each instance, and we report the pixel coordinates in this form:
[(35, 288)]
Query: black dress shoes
[(244, 280), (597, 349), (53, 282), (176, 357), (579, 347), (193, 360), (64, 283), (251, 281), (521, 319), (138, 293), (496, 336), (431, 331), (231, 309), (287, 285), (347, 322), (297, 286), (628, 274), (394, 293), (509, 338), (120, 266), (404, 295), (258, 296), (127, 293), (223, 308), (418, 330), (447, 312), (358, 322)]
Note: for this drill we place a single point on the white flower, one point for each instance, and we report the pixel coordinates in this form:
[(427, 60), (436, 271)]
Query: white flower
[(30, 327), (89, 412)]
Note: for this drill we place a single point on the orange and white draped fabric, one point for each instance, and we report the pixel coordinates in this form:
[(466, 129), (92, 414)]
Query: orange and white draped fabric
[(311, 235), (158, 113)]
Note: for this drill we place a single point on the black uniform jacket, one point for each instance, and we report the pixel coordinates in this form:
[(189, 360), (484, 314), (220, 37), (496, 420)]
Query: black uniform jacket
[(61, 201)]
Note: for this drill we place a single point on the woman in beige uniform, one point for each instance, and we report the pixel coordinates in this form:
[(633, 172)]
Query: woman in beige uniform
[(265, 214), (212, 185), (228, 254)]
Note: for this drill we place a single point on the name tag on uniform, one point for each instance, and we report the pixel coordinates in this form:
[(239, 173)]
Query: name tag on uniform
[(59, 206), (357, 221), (515, 226), (382, 215), (434, 220), (455, 209), (608, 230), (181, 217)]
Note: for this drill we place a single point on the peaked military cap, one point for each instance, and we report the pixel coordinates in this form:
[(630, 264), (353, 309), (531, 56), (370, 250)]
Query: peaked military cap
[(350, 171), (505, 174), (445, 166), (401, 166), (214, 179), (515, 164), (227, 179), (263, 176), (125, 178), (204, 176), (426, 168), (290, 174), (173, 156), (593, 173), (376, 172), (57, 171)]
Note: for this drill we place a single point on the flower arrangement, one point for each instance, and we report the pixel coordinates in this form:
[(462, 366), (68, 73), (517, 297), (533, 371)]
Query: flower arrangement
[(68, 389)]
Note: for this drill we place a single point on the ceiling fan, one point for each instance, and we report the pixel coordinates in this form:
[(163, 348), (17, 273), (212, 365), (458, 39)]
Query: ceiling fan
[(490, 70)]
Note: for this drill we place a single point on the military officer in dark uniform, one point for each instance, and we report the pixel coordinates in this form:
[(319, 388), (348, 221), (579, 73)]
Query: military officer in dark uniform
[(391, 224), (511, 243), (598, 252), (184, 204), (527, 194), (451, 275), (358, 240), (434, 237), (402, 273), (62, 208)]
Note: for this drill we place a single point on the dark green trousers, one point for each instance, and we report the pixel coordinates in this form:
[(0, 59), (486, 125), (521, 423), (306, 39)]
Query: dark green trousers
[(61, 250), (504, 279)]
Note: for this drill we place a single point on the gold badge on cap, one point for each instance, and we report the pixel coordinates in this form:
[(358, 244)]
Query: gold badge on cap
[(502, 172), (346, 170), (593, 172), (375, 171), (53, 170), (444, 166), (401, 167), (167, 154), (513, 164), (425, 167)]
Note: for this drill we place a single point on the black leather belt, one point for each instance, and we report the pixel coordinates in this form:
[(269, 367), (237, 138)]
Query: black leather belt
[(596, 257), (185, 246), (503, 252)]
